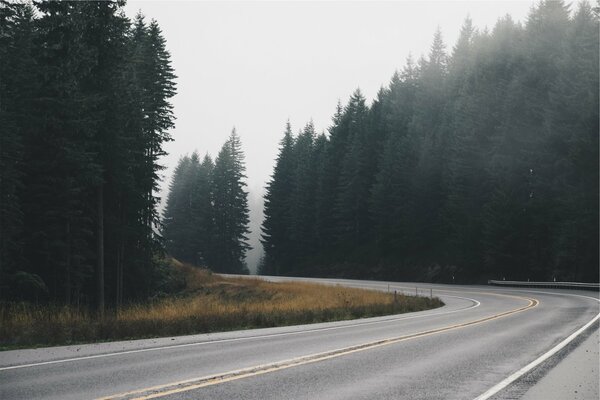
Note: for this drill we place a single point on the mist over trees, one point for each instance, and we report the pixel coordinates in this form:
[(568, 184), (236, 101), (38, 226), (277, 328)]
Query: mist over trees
[(476, 162), (206, 217), (84, 114)]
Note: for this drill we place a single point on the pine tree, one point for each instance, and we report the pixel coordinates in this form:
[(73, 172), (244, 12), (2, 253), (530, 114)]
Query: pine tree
[(320, 149), (202, 213), (327, 184), (471, 123), (155, 85), (354, 183), (303, 193), (16, 91), (428, 125), (177, 219), (60, 149), (230, 202), (392, 203), (275, 236)]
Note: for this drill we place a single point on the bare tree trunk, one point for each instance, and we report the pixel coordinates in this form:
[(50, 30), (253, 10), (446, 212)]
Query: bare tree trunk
[(119, 285), (118, 280), (121, 259), (118, 275), (100, 252), (68, 263)]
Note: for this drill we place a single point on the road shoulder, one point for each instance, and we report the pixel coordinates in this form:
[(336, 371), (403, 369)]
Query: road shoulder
[(567, 380)]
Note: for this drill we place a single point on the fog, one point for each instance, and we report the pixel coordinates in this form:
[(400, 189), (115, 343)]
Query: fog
[(255, 65)]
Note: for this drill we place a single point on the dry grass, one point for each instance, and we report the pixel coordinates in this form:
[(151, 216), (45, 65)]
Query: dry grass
[(209, 303)]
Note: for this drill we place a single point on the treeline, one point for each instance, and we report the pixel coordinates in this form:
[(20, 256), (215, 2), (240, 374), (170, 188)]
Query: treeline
[(206, 218), (84, 114), (475, 164)]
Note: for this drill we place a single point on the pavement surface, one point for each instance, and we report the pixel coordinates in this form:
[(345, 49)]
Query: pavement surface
[(464, 350), (570, 379)]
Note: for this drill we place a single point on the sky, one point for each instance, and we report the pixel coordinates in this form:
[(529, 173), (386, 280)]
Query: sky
[(255, 65)]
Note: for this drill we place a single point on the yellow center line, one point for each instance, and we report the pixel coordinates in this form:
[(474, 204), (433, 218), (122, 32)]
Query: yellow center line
[(200, 382)]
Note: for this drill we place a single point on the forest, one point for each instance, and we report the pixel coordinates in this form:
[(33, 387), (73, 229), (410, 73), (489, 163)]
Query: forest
[(206, 218), (84, 113), (477, 162)]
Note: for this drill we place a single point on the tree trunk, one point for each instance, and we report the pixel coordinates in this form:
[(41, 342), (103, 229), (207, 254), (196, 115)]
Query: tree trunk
[(120, 257), (68, 283), (100, 252), (119, 281)]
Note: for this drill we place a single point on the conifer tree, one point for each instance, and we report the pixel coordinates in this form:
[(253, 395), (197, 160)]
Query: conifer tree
[(178, 212), (75, 92), (202, 213), (354, 183), (16, 91), (230, 202), (328, 182), (275, 236), (303, 193), (428, 125)]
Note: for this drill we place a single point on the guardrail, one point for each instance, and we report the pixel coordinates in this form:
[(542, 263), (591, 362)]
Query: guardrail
[(563, 285)]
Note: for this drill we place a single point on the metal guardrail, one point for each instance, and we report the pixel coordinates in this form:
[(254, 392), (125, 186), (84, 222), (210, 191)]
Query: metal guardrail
[(563, 285)]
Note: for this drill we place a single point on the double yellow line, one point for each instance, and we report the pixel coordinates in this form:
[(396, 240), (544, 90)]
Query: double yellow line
[(200, 382)]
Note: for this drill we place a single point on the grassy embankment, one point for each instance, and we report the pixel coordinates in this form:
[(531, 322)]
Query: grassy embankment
[(208, 303)]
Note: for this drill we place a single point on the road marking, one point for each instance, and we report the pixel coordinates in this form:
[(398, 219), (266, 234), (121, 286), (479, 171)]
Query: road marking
[(218, 341), (200, 382), (504, 383)]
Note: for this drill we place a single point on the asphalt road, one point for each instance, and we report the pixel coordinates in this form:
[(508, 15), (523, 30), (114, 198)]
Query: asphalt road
[(464, 350)]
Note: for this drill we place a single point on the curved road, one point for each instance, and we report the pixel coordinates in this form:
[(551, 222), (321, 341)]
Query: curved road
[(467, 349)]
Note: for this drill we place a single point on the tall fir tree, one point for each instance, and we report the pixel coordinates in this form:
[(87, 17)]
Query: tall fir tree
[(178, 223), (202, 213), (275, 236), (353, 190), (17, 34), (231, 214)]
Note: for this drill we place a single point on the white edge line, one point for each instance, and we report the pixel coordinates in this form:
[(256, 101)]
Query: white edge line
[(287, 363), (504, 383), (66, 360)]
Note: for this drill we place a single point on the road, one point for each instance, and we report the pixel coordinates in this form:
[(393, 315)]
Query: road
[(467, 349)]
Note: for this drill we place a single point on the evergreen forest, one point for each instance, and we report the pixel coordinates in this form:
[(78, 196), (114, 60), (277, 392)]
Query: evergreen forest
[(84, 113), (206, 217), (476, 162)]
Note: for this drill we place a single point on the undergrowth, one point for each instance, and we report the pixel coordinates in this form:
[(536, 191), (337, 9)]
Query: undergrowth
[(208, 303)]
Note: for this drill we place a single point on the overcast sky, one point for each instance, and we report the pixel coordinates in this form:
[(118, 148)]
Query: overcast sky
[(254, 65)]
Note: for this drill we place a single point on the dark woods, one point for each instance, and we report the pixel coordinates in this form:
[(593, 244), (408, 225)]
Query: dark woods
[(84, 112), (473, 163), (477, 163)]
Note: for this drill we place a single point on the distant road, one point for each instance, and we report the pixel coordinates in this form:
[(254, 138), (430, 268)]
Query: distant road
[(483, 344)]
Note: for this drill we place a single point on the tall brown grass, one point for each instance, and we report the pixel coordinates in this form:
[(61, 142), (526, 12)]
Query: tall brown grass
[(209, 303)]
